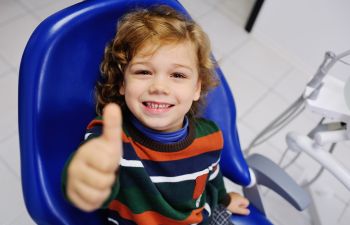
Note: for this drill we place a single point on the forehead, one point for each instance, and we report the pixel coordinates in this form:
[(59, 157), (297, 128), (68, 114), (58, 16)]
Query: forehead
[(179, 49)]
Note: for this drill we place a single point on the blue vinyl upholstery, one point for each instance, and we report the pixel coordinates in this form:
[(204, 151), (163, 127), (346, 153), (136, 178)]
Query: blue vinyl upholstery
[(59, 68)]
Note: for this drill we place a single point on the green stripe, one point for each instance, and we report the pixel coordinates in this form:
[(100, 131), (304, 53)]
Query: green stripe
[(139, 202), (205, 127), (219, 185), (173, 200), (137, 176)]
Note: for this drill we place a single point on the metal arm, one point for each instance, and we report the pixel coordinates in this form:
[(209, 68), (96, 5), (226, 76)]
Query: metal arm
[(269, 174)]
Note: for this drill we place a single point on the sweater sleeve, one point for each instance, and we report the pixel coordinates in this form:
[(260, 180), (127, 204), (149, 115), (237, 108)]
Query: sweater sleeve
[(94, 130), (216, 180)]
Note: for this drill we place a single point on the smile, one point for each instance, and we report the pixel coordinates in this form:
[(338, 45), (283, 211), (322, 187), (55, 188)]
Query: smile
[(155, 105)]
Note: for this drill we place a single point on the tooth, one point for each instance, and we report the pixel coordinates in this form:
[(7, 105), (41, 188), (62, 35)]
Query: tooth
[(156, 105)]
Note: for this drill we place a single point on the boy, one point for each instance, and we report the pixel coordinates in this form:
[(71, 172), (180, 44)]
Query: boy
[(151, 160)]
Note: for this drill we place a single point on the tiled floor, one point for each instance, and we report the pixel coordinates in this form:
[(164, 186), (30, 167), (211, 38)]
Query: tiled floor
[(263, 82)]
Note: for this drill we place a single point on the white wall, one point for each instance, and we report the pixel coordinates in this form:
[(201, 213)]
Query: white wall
[(302, 30)]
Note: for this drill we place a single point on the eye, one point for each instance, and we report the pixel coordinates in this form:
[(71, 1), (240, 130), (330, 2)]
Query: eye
[(178, 75), (143, 72)]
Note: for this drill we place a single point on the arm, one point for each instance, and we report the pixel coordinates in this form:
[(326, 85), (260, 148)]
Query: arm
[(234, 202), (267, 173), (91, 172)]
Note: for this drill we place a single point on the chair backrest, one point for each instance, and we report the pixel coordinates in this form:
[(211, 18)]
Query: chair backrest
[(59, 68)]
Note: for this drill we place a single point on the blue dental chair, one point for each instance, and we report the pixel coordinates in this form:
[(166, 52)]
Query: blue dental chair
[(58, 71)]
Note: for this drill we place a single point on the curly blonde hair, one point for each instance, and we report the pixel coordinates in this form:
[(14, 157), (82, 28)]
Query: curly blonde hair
[(159, 25)]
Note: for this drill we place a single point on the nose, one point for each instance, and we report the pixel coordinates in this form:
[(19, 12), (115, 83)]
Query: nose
[(159, 85)]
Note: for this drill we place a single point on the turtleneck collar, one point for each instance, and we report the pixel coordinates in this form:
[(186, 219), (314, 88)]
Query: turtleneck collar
[(162, 137)]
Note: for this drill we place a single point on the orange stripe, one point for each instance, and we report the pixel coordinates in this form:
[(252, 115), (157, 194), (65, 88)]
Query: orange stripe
[(125, 138), (152, 217), (209, 143), (94, 123), (200, 185)]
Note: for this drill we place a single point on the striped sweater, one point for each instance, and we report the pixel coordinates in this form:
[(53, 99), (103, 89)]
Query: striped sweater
[(166, 184)]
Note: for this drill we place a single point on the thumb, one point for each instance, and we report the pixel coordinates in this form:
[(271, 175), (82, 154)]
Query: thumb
[(112, 124)]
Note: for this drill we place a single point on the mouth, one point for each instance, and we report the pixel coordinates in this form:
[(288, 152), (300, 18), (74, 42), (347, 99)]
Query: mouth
[(157, 105)]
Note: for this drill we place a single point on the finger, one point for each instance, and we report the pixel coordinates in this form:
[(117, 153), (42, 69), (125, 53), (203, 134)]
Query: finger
[(242, 211), (244, 203), (91, 196), (97, 179), (106, 160), (112, 124), (80, 203)]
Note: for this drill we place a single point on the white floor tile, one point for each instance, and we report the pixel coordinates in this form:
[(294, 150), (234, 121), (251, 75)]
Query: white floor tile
[(282, 212), (330, 181), (225, 35), (34, 4), (8, 99), (214, 3), (267, 150), (245, 134), (292, 85), (344, 218), (48, 10), (326, 208), (10, 195), (23, 219), (9, 10), (260, 61), (9, 152), (341, 153), (264, 111), (11, 42), (246, 89), (196, 8), (4, 68), (237, 10)]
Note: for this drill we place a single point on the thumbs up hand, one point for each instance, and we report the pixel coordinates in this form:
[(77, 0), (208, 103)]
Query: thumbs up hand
[(92, 171)]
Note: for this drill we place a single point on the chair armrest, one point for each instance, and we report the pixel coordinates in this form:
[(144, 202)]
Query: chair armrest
[(269, 174)]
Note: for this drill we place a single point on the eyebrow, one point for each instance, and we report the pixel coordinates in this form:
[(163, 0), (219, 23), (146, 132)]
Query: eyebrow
[(149, 64), (184, 66)]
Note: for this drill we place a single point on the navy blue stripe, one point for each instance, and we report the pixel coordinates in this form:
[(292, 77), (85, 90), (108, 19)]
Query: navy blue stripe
[(96, 130), (129, 152)]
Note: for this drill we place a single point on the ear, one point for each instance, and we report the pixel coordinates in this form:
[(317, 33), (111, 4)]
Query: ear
[(197, 93)]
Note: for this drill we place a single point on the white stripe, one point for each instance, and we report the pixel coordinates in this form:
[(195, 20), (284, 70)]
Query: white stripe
[(131, 163), (198, 201), (190, 176), (163, 179), (113, 221), (207, 208), (211, 167), (87, 135), (216, 172)]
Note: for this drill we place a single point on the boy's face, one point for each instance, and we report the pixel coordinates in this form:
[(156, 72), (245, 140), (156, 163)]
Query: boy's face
[(159, 88)]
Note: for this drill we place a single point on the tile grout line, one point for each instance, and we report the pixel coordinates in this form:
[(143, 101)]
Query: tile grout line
[(32, 11), (8, 136), (12, 171), (231, 52), (247, 111)]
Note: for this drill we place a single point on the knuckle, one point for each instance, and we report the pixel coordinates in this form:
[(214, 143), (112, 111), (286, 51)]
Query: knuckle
[(98, 198), (109, 165)]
